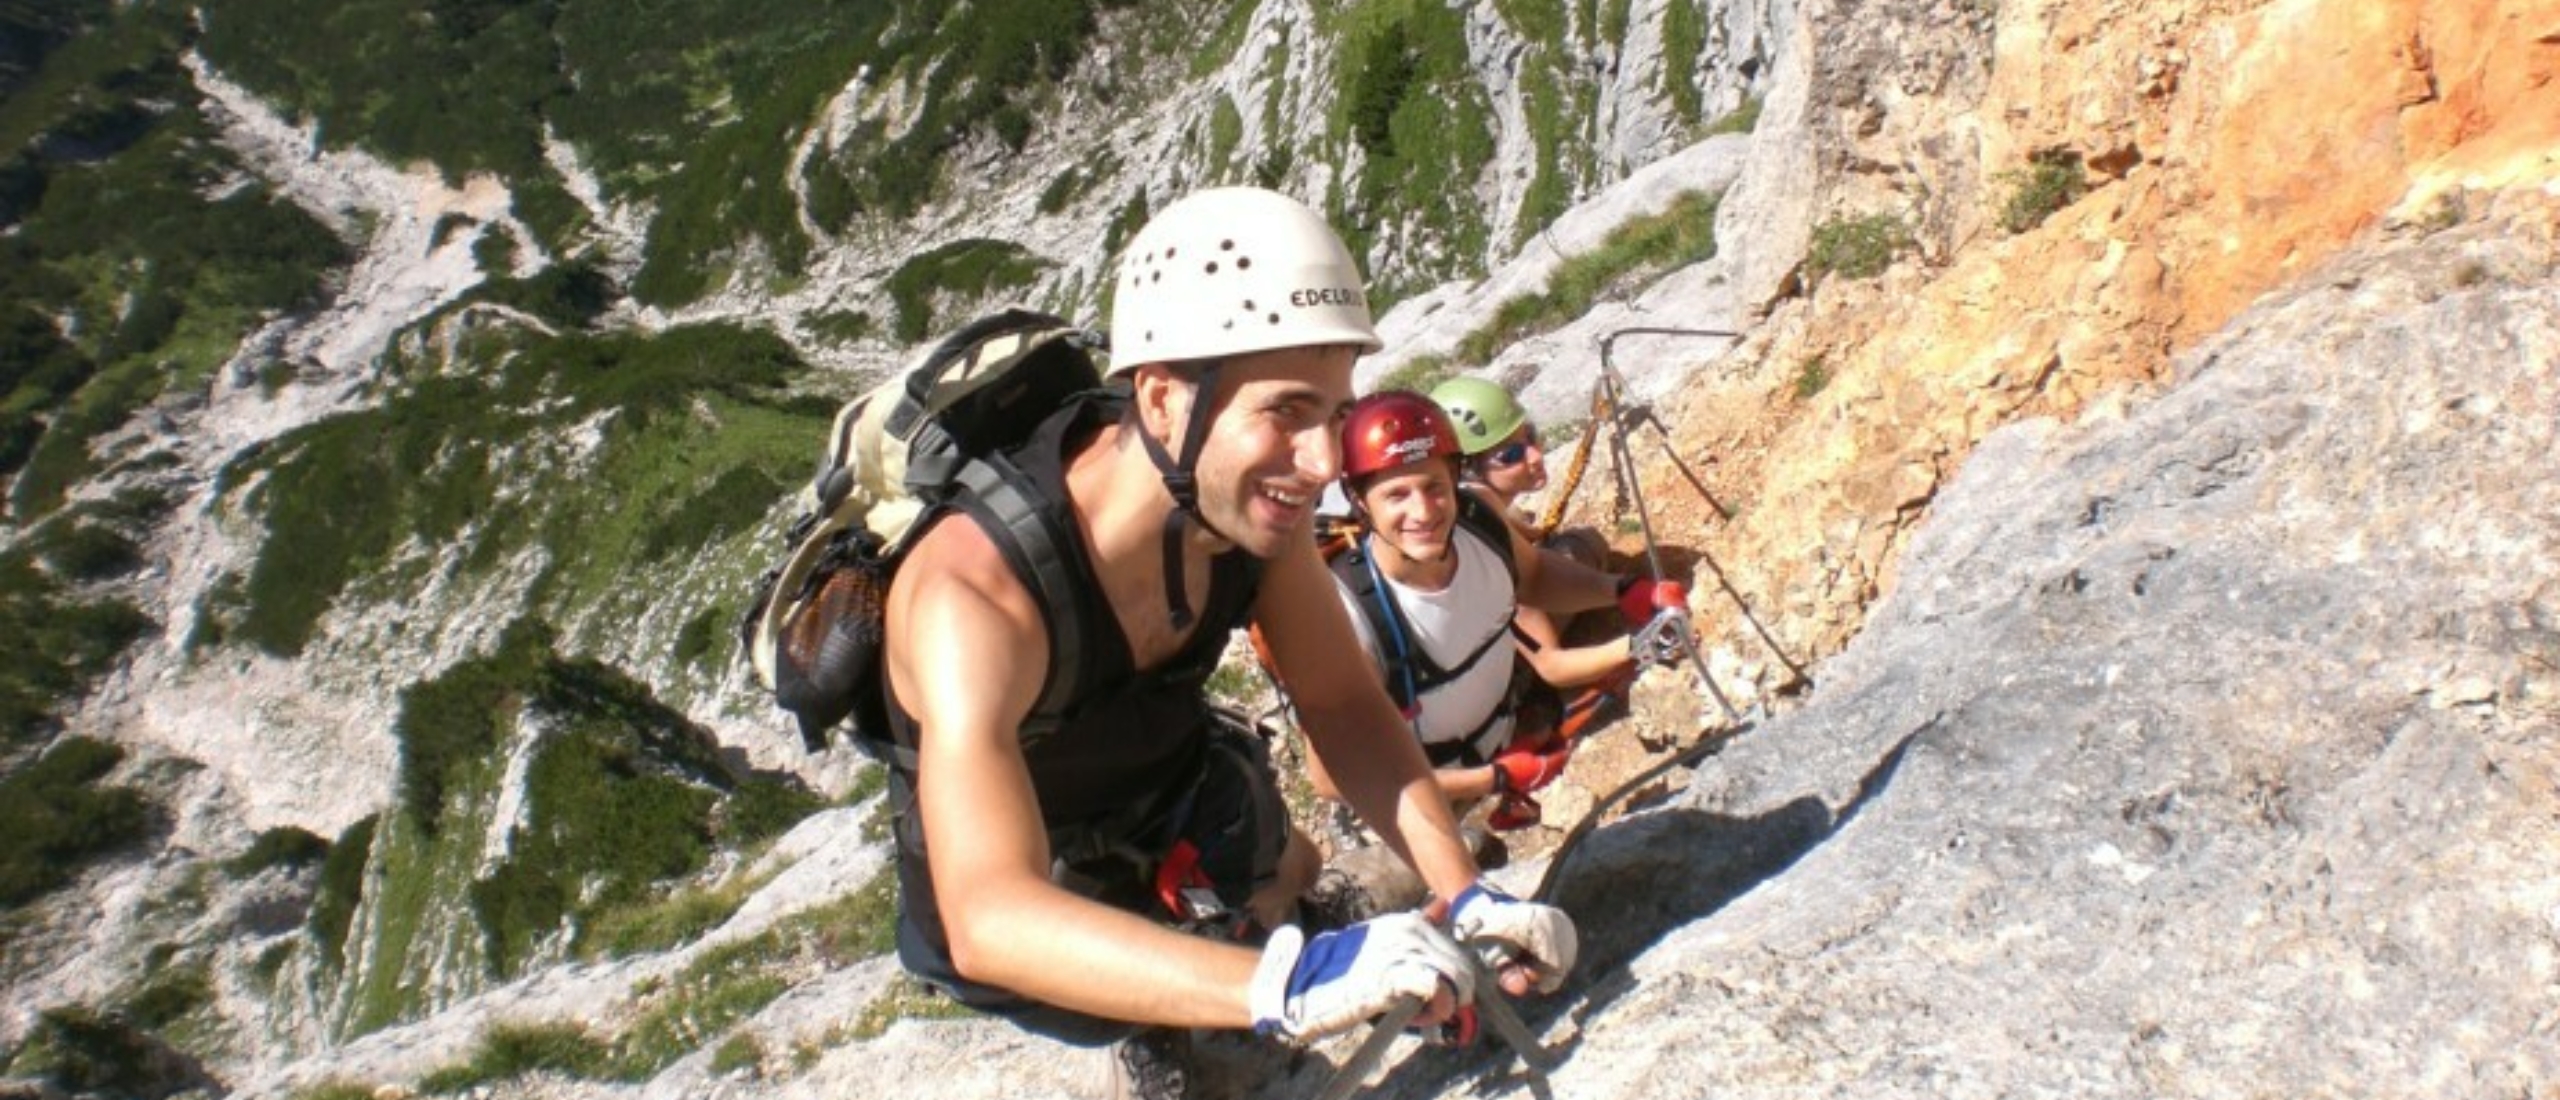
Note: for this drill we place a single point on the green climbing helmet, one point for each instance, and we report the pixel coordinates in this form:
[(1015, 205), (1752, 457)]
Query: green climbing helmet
[(1483, 413)]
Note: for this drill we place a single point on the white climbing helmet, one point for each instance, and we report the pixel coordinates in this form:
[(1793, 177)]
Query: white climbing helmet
[(1233, 270)]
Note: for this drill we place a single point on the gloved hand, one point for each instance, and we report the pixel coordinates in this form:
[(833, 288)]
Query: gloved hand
[(1515, 811), (1307, 988), (1540, 937), (1640, 597), (1523, 770)]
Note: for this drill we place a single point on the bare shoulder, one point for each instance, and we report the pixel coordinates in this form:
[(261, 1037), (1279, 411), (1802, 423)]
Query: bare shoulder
[(955, 567), (966, 642)]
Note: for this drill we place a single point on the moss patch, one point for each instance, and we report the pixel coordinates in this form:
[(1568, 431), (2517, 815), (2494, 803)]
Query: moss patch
[(55, 817)]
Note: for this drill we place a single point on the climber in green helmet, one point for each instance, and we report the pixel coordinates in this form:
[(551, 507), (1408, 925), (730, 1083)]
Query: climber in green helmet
[(1502, 457)]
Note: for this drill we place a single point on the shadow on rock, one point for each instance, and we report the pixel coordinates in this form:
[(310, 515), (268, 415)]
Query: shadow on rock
[(1632, 885)]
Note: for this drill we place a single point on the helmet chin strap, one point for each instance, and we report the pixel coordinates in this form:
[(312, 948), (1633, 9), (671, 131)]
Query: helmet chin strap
[(1181, 482)]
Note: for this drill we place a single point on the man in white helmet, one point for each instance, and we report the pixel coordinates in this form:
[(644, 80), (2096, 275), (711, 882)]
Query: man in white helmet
[(1192, 482)]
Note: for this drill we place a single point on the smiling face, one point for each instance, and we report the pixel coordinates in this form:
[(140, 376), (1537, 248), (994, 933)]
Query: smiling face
[(1272, 443), (1514, 466), (1414, 509)]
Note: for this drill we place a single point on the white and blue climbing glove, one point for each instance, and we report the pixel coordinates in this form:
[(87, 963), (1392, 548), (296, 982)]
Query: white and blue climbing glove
[(1307, 988), (1508, 930)]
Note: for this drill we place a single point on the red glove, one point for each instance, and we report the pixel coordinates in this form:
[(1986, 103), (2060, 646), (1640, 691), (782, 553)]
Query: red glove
[(1515, 811), (1522, 771), (1640, 597)]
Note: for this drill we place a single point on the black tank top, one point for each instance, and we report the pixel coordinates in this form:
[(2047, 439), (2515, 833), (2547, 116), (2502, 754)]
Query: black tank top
[(1129, 733)]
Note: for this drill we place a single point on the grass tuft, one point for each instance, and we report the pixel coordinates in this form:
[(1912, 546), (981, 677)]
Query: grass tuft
[(2052, 180), (1642, 247), (1856, 247)]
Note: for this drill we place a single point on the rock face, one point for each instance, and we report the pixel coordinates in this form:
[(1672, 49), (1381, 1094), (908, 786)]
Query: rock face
[(2197, 742), (2225, 150), (2204, 749)]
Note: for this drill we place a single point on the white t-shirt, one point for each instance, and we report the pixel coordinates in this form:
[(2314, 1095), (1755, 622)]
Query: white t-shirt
[(1473, 612)]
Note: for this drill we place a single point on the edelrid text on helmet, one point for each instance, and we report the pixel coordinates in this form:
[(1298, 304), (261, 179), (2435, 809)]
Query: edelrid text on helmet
[(1391, 430), (1234, 270)]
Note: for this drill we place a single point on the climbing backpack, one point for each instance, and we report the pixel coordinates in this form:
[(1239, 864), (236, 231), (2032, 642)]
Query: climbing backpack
[(814, 633)]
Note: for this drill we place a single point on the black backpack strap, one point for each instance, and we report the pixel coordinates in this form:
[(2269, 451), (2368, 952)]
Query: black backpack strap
[(1386, 623), (1037, 543), (1474, 514), (1411, 673)]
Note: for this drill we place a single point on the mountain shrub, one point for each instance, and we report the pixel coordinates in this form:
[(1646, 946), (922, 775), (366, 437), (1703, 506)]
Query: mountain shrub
[(333, 906), (970, 269), (1859, 247), (53, 644), (2051, 180), (510, 1051), (54, 817), (282, 846)]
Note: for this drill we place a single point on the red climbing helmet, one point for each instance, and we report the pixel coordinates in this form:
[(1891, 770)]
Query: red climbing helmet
[(1394, 429)]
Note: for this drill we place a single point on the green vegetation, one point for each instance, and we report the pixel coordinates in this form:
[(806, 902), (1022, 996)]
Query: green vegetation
[(84, 1052), (124, 273), (1640, 248), (1741, 120), (660, 924), (620, 796), (739, 1053), (169, 996), (333, 907), (336, 1090), (341, 496), (1550, 191), (1235, 682), (904, 998), (1534, 20), (974, 268), (2051, 180), (54, 817), (694, 106), (842, 326), (622, 788), (1409, 102), (87, 552), (52, 645), (283, 846), (1420, 374), (1226, 130), (509, 1051), (1222, 44), (1684, 34), (1856, 248), (1811, 376)]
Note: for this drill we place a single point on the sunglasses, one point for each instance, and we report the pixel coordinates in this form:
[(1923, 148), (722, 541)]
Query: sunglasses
[(1513, 453)]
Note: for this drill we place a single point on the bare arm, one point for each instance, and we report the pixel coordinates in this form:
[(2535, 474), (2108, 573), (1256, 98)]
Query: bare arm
[(1363, 749), (1561, 665), (967, 654), (1551, 581)]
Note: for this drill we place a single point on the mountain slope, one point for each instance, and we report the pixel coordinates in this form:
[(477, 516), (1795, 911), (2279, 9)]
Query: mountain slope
[(282, 563)]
